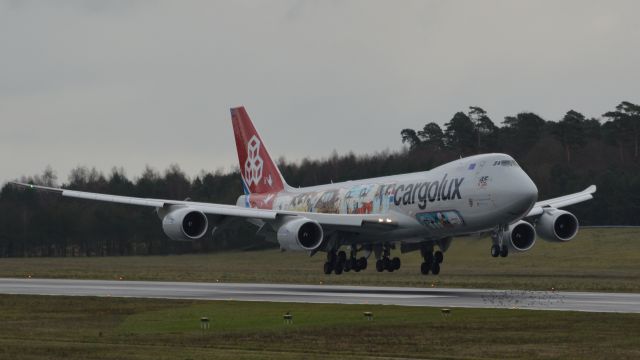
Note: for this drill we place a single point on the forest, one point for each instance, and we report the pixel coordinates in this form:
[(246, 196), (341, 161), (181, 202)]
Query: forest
[(560, 155)]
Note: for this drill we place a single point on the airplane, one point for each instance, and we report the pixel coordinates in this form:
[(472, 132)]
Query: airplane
[(487, 194)]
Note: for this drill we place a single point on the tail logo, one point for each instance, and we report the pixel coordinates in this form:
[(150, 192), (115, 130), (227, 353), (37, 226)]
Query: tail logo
[(254, 163)]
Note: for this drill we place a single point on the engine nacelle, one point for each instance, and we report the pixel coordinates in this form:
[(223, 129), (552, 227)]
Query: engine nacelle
[(300, 234), (520, 236), (184, 224), (557, 225)]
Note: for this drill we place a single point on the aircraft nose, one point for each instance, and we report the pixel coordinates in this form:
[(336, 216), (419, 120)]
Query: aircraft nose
[(521, 194)]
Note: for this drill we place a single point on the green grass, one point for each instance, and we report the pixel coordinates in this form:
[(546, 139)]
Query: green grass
[(41, 327), (596, 260)]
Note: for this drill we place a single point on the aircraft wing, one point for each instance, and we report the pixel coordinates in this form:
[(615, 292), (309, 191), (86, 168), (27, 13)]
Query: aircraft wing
[(366, 221), (562, 201)]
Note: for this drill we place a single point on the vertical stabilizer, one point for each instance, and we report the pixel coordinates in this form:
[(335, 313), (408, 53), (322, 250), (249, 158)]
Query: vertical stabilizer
[(259, 173)]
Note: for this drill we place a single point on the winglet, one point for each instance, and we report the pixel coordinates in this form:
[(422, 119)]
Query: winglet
[(35, 187)]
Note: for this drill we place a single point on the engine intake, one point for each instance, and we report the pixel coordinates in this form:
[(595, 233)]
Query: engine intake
[(184, 224), (520, 236), (557, 225), (300, 234)]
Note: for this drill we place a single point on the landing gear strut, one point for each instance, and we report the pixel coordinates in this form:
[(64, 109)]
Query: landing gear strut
[(337, 262), (330, 264), (431, 261), (499, 248), (384, 262), (354, 263)]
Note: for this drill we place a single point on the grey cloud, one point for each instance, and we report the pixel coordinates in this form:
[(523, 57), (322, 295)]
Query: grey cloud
[(132, 83)]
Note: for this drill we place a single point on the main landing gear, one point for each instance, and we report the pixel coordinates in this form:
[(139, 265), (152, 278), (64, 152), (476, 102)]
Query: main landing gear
[(499, 248), (337, 262), (431, 261), (384, 262)]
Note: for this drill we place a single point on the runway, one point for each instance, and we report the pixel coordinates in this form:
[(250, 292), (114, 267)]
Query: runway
[(434, 297)]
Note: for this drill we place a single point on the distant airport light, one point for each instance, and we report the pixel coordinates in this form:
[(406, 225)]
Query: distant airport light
[(288, 318), (204, 323), (381, 220), (368, 315), (388, 220)]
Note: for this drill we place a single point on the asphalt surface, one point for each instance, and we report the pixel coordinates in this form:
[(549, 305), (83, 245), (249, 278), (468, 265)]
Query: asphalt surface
[(435, 297)]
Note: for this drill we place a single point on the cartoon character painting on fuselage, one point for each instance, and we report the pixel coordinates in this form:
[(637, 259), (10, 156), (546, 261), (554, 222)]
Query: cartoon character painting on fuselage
[(362, 198)]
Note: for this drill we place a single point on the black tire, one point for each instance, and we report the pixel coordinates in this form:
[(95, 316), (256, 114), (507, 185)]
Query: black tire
[(425, 268), (435, 268), (504, 251), (379, 266), (342, 257), (429, 258), (347, 266), (328, 268), (495, 250), (331, 256), (338, 268), (354, 264), (362, 263), (396, 263), (438, 257), (386, 263)]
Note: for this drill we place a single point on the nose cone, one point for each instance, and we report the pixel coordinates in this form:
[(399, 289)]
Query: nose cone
[(523, 193)]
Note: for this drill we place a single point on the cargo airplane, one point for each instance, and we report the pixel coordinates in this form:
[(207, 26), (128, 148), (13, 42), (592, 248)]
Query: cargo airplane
[(486, 194)]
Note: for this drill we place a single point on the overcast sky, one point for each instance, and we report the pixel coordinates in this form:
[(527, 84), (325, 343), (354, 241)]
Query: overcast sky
[(131, 83)]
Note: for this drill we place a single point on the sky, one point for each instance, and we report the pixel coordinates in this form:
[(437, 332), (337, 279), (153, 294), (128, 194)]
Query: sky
[(137, 83)]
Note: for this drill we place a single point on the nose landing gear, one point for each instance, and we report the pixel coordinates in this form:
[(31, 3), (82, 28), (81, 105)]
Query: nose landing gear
[(499, 248)]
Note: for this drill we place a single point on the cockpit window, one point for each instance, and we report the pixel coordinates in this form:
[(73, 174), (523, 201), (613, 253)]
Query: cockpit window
[(505, 163), (508, 163)]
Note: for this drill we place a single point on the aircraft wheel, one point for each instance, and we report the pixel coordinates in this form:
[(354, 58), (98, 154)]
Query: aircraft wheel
[(396, 263), (353, 264), (435, 268), (424, 268), (347, 266), (428, 258), (362, 263), (379, 265), (504, 251), (495, 250), (342, 257), (328, 268), (338, 268), (439, 257), (386, 264)]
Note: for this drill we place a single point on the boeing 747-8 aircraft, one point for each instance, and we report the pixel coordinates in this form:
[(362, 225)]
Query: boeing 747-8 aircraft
[(481, 194)]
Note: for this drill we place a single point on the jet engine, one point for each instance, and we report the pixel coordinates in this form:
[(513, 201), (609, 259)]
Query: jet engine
[(520, 236), (184, 224), (300, 234), (557, 225)]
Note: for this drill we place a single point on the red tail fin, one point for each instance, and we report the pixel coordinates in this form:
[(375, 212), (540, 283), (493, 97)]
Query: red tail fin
[(259, 173)]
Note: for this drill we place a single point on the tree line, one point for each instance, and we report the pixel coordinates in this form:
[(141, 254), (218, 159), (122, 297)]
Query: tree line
[(561, 157)]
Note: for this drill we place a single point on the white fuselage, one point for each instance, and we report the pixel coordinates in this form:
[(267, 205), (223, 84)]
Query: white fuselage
[(465, 196)]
